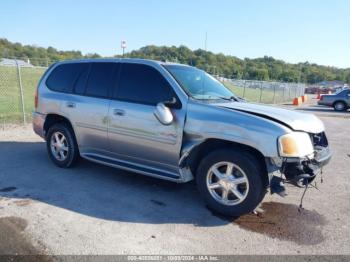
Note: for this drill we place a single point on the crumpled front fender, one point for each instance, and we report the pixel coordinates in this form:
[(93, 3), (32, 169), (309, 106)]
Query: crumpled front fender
[(205, 122)]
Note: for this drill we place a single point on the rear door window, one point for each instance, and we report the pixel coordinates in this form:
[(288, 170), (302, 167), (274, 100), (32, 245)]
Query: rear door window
[(143, 84), (63, 77), (101, 79), (80, 83)]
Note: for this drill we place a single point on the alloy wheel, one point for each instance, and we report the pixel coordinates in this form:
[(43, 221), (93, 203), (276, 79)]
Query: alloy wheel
[(227, 183), (59, 146), (339, 106)]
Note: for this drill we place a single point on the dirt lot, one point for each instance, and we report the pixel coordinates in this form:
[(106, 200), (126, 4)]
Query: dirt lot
[(93, 209)]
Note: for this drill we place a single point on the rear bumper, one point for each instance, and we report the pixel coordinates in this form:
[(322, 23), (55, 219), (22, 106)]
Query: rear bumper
[(38, 124)]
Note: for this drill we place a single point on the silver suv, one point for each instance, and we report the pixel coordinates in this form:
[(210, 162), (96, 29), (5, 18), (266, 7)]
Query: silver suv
[(178, 123)]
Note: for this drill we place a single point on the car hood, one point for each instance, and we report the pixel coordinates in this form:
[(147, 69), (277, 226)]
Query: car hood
[(294, 120)]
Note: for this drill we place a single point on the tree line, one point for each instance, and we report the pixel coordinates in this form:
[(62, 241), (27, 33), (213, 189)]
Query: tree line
[(38, 56), (265, 68)]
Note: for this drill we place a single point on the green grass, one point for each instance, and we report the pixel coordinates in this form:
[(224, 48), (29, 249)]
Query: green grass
[(10, 96)]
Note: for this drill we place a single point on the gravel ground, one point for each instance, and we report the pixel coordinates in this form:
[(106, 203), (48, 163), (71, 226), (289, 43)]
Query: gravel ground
[(92, 209)]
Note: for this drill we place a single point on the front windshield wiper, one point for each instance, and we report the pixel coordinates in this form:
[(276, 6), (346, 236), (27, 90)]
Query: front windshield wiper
[(231, 98)]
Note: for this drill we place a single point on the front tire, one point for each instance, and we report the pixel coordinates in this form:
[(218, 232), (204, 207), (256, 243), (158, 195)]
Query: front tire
[(61, 145), (231, 182)]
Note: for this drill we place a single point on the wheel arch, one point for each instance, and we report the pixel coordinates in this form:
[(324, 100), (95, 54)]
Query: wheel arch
[(52, 119), (198, 152), (341, 101)]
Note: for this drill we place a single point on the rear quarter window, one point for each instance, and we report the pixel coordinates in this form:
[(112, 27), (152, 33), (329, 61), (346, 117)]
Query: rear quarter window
[(63, 77)]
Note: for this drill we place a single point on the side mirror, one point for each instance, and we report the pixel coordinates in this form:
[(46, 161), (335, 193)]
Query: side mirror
[(163, 114)]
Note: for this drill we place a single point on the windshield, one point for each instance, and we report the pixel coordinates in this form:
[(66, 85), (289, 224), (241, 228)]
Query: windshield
[(198, 84)]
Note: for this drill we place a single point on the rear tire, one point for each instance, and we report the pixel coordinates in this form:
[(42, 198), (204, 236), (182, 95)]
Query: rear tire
[(340, 106), (62, 146), (241, 188)]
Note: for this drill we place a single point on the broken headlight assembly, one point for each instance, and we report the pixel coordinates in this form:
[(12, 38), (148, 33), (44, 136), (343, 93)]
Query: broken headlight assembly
[(295, 144)]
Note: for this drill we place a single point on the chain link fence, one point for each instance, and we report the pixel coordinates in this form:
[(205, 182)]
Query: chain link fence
[(264, 91), (19, 79)]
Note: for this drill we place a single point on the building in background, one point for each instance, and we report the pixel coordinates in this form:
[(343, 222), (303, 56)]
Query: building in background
[(14, 62)]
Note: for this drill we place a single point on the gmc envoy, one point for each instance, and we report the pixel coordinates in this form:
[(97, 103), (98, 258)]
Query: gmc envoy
[(176, 122)]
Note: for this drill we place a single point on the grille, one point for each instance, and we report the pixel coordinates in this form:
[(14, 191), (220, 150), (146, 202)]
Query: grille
[(319, 139)]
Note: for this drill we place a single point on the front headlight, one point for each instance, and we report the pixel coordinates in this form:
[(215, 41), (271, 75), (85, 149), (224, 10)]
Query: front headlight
[(296, 144)]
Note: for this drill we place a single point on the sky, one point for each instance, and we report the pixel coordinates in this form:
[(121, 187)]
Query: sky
[(317, 31)]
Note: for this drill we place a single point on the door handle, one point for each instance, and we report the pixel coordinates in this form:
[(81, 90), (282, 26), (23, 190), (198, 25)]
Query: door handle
[(70, 104), (118, 112)]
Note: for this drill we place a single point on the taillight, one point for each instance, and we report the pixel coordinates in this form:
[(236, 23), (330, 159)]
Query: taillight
[(36, 99)]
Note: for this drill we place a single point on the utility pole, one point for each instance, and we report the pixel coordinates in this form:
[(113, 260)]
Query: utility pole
[(205, 48), (123, 46)]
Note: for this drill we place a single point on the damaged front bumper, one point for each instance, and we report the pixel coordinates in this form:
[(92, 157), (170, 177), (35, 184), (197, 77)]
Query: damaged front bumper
[(305, 170), (300, 171)]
